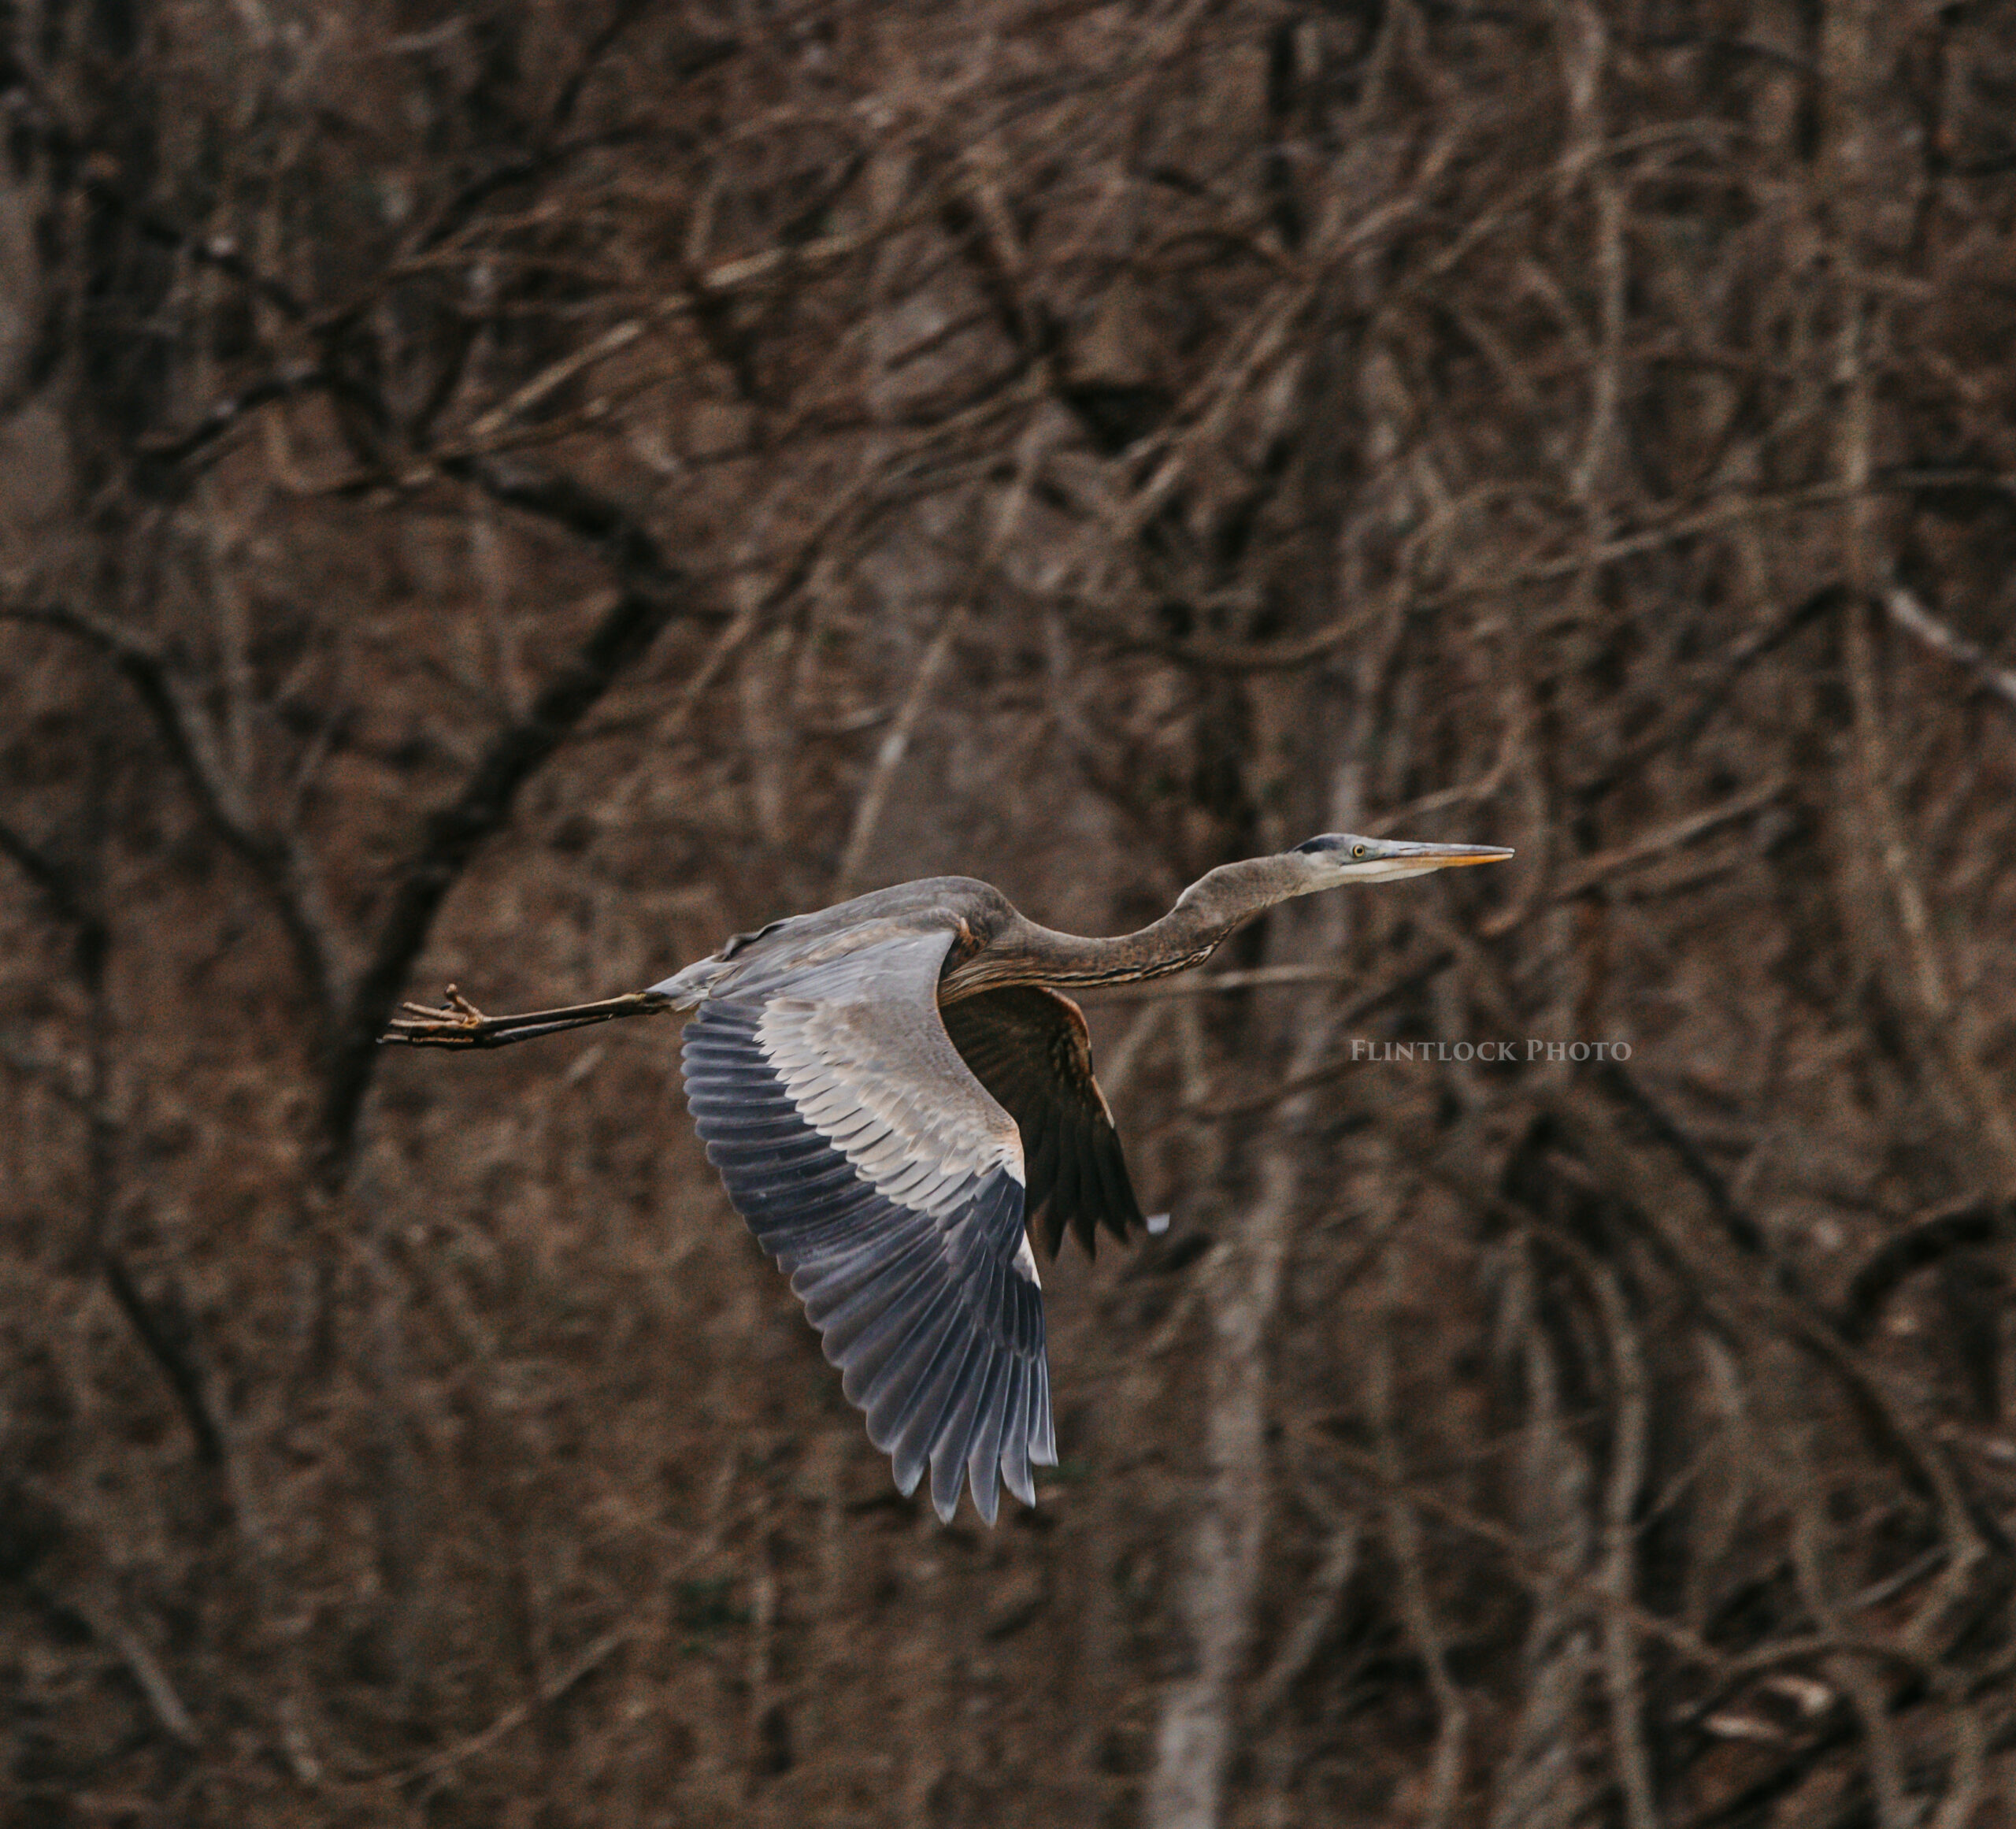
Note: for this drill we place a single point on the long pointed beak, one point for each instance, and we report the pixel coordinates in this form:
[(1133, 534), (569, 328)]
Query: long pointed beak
[(1441, 857)]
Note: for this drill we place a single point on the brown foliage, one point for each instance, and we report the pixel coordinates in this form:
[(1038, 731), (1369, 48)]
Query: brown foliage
[(503, 494)]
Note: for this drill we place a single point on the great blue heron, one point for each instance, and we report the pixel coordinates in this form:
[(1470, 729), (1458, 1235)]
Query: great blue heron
[(892, 1087)]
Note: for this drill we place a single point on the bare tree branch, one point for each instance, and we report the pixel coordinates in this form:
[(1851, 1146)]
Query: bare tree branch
[(277, 862), (456, 832), (1909, 613), (165, 1341), (1920, 1245)]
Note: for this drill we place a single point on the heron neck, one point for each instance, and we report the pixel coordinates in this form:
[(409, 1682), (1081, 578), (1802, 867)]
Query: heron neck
[(1208, 911)]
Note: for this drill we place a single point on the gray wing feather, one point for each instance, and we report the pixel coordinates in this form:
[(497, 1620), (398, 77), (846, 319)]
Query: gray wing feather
[(869, 1161), (990, 1418)]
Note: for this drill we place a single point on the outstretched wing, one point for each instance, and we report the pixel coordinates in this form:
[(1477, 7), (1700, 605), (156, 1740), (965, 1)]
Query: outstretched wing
[(877, 1171), (1030, 1047)]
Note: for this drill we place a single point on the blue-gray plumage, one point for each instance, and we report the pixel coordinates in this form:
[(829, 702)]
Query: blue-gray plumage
[(893, 1091)]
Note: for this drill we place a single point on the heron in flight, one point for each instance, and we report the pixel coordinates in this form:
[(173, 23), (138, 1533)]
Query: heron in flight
[(894, 1090)]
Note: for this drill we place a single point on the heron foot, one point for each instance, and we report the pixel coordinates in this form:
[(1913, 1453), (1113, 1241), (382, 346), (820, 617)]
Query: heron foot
[(457, 1024)]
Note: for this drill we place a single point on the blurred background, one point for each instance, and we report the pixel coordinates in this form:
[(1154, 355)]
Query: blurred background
[(511, 493)]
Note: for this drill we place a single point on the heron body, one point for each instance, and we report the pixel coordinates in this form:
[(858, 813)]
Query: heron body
[(895, 1090)]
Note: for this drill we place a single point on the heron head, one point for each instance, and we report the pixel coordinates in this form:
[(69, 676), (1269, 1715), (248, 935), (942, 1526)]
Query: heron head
[(1344, 857)]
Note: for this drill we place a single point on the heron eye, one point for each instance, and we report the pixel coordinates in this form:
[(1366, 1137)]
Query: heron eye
[(1357, 850)]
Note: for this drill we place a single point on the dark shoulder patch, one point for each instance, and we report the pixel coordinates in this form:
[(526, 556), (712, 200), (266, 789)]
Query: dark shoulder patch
[(736, 942), (969, 938)]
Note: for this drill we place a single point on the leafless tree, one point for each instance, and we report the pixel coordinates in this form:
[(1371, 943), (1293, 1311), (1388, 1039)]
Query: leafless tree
[(511, 494)]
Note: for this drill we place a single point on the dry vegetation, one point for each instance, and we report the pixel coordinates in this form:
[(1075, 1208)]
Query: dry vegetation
[(511, 492)]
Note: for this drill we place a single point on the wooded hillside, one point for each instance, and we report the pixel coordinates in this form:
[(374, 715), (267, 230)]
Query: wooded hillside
[(512, 493)]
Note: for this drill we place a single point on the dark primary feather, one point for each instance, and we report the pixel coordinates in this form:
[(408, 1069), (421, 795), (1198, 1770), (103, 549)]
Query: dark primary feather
[(1030, 1047), (869, 1162)]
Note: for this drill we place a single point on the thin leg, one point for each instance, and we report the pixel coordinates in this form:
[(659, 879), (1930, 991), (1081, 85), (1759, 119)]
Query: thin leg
[(460, 1024)]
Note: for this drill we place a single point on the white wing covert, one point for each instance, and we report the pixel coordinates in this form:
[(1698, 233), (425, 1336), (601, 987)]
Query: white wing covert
[(888, 1182)]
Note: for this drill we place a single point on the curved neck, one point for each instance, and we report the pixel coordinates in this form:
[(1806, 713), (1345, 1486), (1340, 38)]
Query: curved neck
[(1206, 913)]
